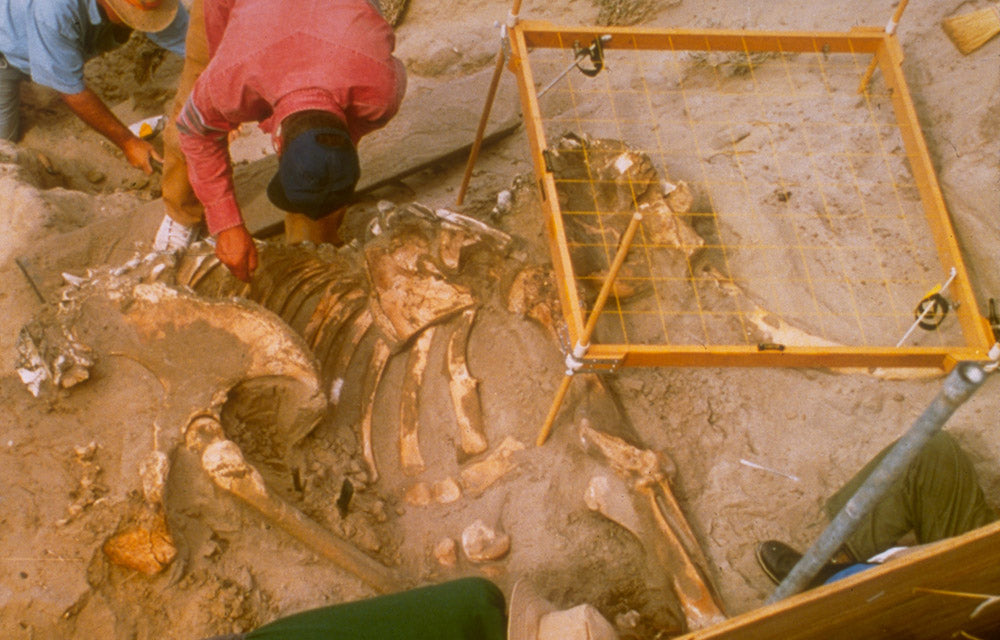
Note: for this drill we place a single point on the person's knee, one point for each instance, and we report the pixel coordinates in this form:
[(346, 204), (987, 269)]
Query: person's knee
[(941, 449), (481, 593)]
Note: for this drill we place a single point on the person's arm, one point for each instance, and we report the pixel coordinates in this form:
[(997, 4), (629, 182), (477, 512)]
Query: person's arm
[(55, 48), (89, 108), (204, 140)]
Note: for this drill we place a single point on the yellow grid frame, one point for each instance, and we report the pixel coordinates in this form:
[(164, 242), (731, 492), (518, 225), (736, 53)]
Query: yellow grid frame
[(529, 36)]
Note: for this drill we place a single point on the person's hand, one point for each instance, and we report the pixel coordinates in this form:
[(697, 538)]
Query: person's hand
[(235, 249), (140, 154)]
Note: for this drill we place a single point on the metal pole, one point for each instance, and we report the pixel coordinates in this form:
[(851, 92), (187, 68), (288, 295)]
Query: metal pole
[(484, 118), (958, 387)]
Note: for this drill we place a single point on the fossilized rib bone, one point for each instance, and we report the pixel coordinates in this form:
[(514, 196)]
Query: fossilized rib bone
[(465, 389), (373, 375), (409, 406)]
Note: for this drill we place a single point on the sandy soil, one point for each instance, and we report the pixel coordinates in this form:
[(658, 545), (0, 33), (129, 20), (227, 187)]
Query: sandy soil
[(61, 500)]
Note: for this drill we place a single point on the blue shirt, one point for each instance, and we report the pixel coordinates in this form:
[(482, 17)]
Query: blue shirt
[(50, 40)]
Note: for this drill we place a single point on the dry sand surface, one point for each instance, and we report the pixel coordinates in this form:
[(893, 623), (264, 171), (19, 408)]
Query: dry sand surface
[(69, 460)]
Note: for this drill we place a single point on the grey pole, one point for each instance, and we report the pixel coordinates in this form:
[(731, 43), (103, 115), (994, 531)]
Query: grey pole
[(958, 387)]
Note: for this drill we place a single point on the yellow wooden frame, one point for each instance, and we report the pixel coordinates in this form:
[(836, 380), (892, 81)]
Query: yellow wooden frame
[(530, 35)]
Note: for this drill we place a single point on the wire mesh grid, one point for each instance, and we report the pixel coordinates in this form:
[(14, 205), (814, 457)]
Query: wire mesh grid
[(779, 204)]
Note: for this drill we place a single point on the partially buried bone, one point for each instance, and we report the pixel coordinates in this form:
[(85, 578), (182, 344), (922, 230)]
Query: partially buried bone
[(610, 498), (480, 476), (677, 548), (409, 292), (465, 389), (229, 470), (482, 543), (373, 375), (409, 407)]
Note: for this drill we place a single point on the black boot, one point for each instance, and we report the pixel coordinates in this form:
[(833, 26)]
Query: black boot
[(777, 560)]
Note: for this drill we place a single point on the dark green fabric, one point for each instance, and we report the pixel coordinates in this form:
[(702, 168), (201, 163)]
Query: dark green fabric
[(464, 609), (937, 497)]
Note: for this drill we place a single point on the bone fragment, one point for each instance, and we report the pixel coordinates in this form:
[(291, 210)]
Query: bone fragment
[(446, 491), (373, 376), (409, 408), (533, 294), (465, 389), (479, 476), (610, 498), (154, 470), (475, 226), (451, 242), (318, 321), (145, 546), (421, 494), (482, 543), (623, 457), (446, 552), (333, 324), (225, 464), (273, 286)]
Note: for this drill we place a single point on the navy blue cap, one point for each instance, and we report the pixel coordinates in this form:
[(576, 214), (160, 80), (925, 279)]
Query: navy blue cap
[(314, 178)]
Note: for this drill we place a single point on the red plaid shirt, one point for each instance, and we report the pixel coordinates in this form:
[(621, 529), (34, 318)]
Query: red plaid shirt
[(272, 58)]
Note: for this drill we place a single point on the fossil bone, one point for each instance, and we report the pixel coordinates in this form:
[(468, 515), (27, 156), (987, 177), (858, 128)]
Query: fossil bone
[(373, 375), (409, 406), (677, 548), (359, 329), (609, 497), (229, 470), (409, 292), (465, 389), (145, 545), (480, 476)]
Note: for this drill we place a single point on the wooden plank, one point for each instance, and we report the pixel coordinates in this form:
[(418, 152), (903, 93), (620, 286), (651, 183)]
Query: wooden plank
[(431, 127), (976, 333), (752, 356), (890, 601), (543, 34), (556, 235)]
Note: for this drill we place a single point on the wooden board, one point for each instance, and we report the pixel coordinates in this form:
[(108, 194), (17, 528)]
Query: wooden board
[(891, 601)]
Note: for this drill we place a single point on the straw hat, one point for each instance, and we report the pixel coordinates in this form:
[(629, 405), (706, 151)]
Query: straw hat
[(535, 618), (145, 15)]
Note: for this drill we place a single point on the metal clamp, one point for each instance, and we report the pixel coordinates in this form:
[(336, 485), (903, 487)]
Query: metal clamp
[(595, 52)]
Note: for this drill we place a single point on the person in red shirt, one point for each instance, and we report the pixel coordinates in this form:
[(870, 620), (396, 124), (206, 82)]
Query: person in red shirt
[(315, 74)]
